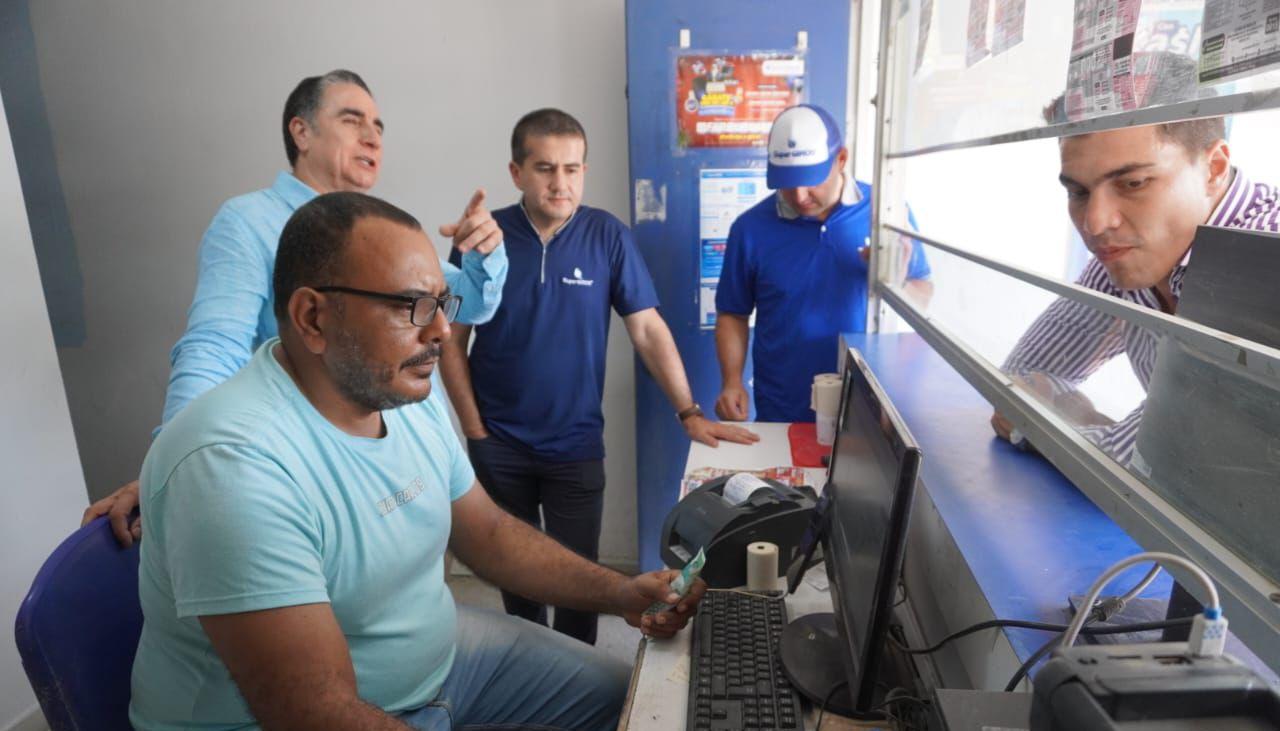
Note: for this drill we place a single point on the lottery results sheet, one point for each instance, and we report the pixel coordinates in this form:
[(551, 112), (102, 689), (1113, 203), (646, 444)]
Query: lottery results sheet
[(1100, 72)]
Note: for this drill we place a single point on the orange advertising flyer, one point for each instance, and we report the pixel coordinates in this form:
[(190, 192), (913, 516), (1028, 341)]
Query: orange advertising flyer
[(725, 100)]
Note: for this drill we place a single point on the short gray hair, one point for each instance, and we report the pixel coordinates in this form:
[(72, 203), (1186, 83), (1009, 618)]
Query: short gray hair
[(305, 98)]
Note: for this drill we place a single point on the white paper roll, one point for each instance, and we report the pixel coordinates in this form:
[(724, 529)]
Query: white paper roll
[(824, 398), (762, 566), (738, 489)]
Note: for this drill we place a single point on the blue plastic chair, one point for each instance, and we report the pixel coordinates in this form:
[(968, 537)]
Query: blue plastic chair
[(78, 628)]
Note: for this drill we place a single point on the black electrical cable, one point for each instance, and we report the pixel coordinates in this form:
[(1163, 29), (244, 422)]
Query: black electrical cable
[(901, 720), (1031, 662), (1047, 647), (1041, 626), (831, 692)]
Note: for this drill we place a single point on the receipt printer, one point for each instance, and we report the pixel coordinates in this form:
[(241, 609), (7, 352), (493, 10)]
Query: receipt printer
[(724, 524)]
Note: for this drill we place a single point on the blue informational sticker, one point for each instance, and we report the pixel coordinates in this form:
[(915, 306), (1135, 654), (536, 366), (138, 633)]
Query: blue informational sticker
[(723, 195)]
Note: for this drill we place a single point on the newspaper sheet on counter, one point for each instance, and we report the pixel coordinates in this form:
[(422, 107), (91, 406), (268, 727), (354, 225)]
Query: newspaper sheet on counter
[(787, 475)]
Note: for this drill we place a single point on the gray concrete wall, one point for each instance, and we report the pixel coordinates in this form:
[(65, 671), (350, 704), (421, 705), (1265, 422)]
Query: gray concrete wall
[(160, 111)]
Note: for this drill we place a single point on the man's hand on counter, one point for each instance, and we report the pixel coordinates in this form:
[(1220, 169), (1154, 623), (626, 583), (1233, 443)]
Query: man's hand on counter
[(702, 429), (732, 404)]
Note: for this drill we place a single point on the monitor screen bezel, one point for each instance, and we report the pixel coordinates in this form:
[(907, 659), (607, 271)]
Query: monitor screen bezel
[(863, 663)]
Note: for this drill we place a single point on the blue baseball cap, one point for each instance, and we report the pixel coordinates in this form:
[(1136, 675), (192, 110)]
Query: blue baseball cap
[(803, 142)]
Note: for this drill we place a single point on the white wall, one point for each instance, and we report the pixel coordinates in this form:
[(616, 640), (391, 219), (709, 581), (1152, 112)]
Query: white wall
[(43, 489), (160, 111)]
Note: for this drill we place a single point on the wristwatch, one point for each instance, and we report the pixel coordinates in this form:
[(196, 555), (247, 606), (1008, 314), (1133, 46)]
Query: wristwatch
[(694, 410)]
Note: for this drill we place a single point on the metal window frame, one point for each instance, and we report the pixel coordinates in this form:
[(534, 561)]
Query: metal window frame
[(1147, 517), (1218, 106), (1254, 357), (1247, 595)]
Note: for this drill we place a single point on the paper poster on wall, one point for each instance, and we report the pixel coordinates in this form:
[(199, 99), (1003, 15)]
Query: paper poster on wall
[(975, 47), (1011, 18), (1241, 38), (726, 100), (1169, 25), (723, 195), (1100, 72), (922, 36)]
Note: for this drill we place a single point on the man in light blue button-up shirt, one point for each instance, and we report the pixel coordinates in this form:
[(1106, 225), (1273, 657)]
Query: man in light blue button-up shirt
[(333, 139)]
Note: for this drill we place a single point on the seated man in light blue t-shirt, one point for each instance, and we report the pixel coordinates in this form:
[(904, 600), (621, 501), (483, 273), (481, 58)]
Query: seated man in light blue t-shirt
[(297, 519)]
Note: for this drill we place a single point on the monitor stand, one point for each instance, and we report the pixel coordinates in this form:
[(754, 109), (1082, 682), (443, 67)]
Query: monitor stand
[(811, 659)]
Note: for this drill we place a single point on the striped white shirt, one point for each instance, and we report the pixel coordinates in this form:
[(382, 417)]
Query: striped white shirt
[(1070, 341)]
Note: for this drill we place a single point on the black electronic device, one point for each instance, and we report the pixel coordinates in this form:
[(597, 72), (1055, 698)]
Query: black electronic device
[(1149, 686), (723, 528), (861, 524), (736, 679)]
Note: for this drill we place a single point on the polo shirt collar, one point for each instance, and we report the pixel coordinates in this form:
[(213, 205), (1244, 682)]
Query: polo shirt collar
[(559, 228), (849, 195), (293, 191)]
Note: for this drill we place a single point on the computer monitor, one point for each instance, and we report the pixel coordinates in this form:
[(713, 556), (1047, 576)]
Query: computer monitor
[(834, 659)]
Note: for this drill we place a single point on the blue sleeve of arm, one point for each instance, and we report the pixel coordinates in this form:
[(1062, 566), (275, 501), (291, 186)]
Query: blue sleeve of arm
[(478, 278), (631, 288), (736, 292), (918, 264), (233, 287), (238, 534)]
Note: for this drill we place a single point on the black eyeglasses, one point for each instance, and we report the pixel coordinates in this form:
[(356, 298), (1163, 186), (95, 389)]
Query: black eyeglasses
[(423, 309)]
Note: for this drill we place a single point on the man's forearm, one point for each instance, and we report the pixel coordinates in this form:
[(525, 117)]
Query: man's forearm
[(657, 350), (514, 556), (349, 713), (455, 371), (293, 668), (920, 290), (732, 332)]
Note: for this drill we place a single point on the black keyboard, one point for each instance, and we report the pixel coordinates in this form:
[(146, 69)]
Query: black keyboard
[(735, 670)]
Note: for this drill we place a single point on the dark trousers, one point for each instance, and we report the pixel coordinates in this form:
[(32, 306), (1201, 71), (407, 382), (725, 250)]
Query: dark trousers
[(571, 495)]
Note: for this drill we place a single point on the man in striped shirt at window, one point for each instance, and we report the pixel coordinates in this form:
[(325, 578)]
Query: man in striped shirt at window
[(1136, 196)]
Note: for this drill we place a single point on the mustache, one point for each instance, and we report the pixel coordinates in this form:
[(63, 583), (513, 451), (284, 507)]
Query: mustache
[(431, 353)]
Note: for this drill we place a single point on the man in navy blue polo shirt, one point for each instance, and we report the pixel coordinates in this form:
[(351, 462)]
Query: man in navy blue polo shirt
[(528, 398), (799, 259)]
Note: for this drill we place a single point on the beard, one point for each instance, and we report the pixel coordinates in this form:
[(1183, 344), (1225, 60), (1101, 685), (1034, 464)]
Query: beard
[(368, 384)]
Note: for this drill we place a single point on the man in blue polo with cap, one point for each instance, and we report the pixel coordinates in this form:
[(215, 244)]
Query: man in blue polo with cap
[(799, 260)]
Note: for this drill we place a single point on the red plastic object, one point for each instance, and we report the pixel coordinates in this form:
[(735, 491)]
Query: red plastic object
[(805, 450)]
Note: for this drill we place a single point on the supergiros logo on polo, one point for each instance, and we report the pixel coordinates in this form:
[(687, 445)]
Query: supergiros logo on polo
[(577, 280)]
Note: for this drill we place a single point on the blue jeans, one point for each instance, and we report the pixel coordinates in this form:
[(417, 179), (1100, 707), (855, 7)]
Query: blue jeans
[(511, 674)]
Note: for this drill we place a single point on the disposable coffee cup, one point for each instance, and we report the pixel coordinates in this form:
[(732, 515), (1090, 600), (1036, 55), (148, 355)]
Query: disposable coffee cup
[(824, 399), (826, 430)]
